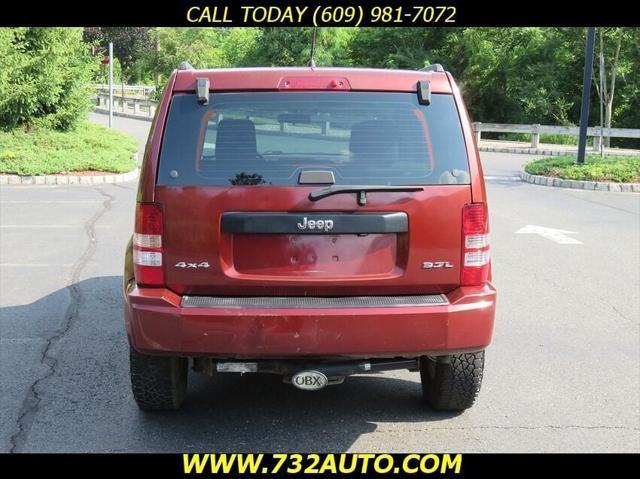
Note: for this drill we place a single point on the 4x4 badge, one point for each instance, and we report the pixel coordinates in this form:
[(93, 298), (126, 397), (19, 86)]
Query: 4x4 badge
[(183, 264)]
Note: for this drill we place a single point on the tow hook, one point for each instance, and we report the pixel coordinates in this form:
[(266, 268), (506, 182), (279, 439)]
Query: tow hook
[(305, 375)]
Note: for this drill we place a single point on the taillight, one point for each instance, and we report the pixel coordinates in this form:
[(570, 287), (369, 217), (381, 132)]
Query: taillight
[(476, 255), (147, 245)]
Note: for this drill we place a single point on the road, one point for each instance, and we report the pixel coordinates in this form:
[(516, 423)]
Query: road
[(563, 372)]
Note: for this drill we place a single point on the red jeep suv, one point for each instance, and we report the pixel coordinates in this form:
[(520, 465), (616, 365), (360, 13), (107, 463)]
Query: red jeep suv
[(311, 223)]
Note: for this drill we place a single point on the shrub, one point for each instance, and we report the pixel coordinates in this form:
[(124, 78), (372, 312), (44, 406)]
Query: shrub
[(87, 148), (622, 169), (42, 77)]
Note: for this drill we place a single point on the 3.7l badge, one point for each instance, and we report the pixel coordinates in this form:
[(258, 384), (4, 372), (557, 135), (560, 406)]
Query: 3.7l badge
[(436, 265)]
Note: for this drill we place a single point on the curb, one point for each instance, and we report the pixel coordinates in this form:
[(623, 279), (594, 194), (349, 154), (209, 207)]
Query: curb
[(580, 185), (521, 151), (124, 114), (538, 151), (72, 179)]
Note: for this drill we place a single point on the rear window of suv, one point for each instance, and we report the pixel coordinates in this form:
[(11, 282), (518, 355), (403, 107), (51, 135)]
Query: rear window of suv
[(269, 138)]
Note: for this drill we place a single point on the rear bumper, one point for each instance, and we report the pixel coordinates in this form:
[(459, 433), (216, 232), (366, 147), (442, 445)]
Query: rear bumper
[(157, 323)]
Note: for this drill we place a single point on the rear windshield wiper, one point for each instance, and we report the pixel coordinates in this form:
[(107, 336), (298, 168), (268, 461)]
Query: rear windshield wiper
[(361, 191)]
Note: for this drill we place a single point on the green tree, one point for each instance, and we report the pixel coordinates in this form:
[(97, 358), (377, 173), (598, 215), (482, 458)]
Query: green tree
[(507, 75), (292, 47), (204, 47), (391, 47), (626, 111), (616, 59), (522, 75), (42, 77), (130, 44), (198, 46), (515, 75)]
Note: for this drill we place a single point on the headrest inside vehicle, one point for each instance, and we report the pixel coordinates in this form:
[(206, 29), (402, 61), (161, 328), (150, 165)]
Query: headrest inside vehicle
[(236, 140)]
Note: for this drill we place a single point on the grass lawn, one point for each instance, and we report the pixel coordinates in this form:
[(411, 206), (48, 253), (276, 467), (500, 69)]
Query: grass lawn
[(88, 148), (619, 169)]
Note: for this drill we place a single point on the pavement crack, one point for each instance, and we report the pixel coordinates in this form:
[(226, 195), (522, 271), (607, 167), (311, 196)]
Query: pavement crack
[(118, 185), (620, 313), (599, 203), (33, 398)]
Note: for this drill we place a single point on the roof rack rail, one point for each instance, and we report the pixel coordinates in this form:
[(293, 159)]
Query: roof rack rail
[(185, 66), (435, 67)]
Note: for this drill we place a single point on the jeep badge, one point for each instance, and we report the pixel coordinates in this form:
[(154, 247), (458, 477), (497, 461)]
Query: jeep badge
[(326, 225)]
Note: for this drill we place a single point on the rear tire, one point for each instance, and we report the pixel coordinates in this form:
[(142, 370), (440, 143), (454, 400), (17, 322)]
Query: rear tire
[(159, 383), (451, 383)]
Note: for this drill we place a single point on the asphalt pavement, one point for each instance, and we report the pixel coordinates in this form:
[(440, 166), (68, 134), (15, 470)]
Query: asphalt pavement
[(562, 374)]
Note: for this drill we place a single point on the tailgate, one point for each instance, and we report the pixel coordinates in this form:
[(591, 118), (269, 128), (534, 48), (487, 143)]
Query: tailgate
[(235, 177), (274, 241)]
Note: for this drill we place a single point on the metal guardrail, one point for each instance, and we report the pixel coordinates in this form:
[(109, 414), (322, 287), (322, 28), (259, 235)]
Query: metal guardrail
[(536, 130), (129, 90), (136, 106)]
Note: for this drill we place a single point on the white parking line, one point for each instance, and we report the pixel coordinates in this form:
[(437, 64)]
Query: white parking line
[(553, 234), (36, 265), (46, 202), (503, 178), (21, 340), (50, 226)]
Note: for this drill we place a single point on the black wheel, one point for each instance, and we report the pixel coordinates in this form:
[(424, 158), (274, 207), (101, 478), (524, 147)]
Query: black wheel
[(159, 383), (451, 383)]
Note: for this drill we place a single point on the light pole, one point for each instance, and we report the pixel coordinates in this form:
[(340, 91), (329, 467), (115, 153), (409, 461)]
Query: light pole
[(110, 84), (586, 93)]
